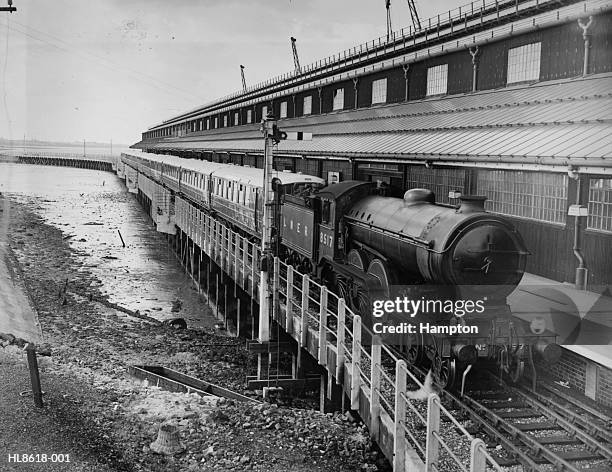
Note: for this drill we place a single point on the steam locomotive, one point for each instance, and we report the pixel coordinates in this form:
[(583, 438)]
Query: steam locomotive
[(361, 243)]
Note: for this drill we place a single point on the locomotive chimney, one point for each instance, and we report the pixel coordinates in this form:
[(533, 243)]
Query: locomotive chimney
[(471, 204)]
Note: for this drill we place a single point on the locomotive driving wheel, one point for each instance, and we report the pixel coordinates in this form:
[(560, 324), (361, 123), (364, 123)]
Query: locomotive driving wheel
[(413, 349), (516, 365), (354, 296), (511, 363), (444, 371)]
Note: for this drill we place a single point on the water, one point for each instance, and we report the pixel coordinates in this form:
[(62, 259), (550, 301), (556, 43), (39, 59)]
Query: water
[(91, 207)]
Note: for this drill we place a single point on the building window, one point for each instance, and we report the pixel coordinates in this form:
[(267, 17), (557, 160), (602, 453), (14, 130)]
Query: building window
[(524, 63), (207, 123), (379, 91), (216, 122), (249, 116), (225, 121), (532, 195), (339, 99), (235, 119), (437, 80), (283, 110), (379, 166), (307, 105), (264, 111), (600, 204), (440, 180)]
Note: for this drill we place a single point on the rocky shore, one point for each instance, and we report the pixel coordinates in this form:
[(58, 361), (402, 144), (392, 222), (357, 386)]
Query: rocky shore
[(107, 422)]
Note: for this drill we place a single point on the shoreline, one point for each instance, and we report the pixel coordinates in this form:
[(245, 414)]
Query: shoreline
[(89, 397)]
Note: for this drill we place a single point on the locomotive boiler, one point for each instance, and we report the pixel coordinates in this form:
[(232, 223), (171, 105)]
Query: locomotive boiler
[(367, 244), (410, 240)]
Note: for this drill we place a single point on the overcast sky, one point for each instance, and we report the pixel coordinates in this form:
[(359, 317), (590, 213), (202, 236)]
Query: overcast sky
[(108, 69)]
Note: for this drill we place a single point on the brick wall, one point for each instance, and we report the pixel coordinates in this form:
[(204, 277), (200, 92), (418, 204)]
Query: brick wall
[(573, 369), (604, 386)]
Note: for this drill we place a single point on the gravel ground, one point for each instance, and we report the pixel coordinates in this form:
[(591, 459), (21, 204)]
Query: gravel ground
[(106, 422)]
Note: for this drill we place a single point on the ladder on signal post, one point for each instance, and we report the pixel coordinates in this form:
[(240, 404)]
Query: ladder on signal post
[(272, 136)]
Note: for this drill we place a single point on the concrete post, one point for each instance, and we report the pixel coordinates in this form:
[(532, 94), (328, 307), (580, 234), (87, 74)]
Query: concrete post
[(375, 387), (432, 447), (356, 358), (399, 436)]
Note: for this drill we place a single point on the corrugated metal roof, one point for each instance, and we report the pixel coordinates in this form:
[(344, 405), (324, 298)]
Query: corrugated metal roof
[(562, 120), (563, 140)]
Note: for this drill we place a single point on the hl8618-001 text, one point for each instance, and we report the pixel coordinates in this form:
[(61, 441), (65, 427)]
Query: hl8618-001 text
[(39, 458)]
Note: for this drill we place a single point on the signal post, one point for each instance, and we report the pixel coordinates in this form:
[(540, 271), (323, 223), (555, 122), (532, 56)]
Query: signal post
[(272, 136)]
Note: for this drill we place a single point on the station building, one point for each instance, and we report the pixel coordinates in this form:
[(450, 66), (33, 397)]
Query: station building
[(511, 100)]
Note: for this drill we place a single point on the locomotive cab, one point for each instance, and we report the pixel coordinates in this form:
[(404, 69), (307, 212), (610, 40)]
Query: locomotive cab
[(333, 202)]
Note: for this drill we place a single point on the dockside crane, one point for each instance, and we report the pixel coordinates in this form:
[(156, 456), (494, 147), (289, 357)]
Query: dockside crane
[(414, 16), (389, 27), (242, 74), (296, 59)]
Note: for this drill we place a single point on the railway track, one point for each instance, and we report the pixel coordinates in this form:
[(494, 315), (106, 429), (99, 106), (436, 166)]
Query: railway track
[(535, 430)]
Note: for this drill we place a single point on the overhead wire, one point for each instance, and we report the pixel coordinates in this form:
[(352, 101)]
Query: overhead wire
[(95, 56), (4, 69), (101, 61)]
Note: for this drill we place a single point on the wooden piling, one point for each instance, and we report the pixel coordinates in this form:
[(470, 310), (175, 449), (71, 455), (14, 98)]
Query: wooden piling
[(34, 376)]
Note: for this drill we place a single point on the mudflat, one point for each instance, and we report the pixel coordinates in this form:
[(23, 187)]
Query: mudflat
[(104, 421)]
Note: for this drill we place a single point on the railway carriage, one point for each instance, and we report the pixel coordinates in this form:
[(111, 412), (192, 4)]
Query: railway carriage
[(360, 242)]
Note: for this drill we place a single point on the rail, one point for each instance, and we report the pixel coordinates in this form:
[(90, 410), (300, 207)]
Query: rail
[(375, 379)]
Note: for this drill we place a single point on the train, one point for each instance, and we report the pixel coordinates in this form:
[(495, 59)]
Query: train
[(362, 244)]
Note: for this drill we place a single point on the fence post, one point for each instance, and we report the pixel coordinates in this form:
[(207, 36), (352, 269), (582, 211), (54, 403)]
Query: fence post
[(432, 449), (210, 243), (304, 331), (254, 292), (375, 387), (323, 326), (289, 302), (245, 264), (340, 341), (478, 460), (236, 239), (220, 245), (213, 239), (228, 250), (275, 288), (399, 438), (356, 357)]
